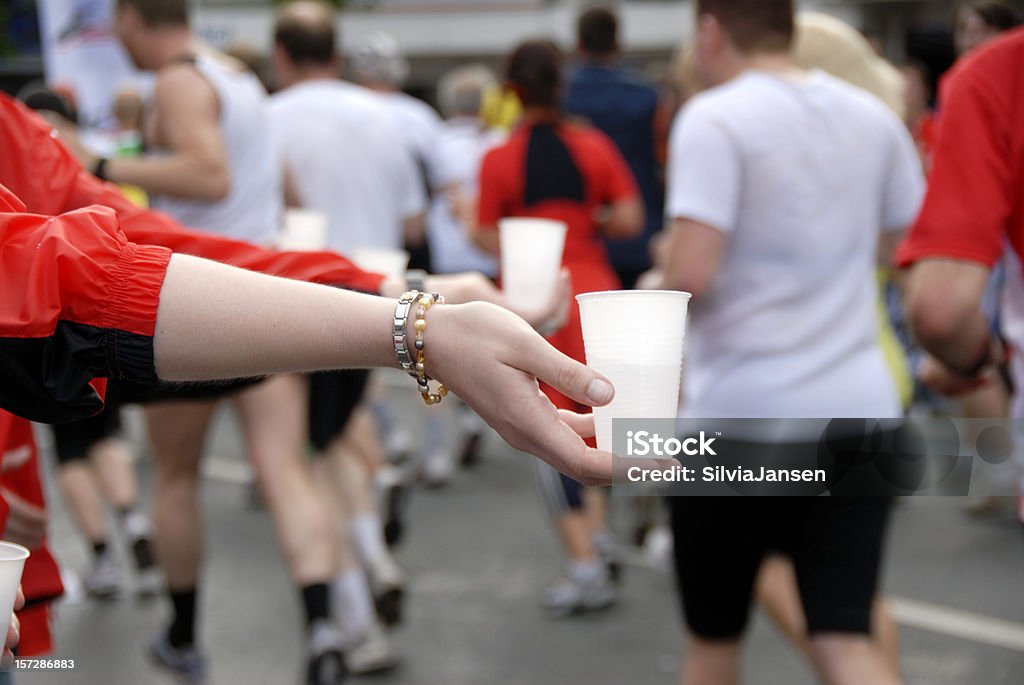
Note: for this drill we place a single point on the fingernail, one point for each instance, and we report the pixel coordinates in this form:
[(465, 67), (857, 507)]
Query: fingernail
[(600, 391)]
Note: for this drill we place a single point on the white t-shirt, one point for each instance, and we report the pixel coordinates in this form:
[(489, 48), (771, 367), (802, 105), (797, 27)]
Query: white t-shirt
[(252, 210), (345, 160), (801, 175), (463, 144), (419, 128)]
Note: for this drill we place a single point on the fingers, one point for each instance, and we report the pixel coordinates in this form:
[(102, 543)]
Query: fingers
[(582, 424), (13, 633), (564, 374), (13, 637), (19, 600), (554, 436)]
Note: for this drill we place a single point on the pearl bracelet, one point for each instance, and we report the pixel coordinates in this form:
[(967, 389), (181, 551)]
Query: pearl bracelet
[(412, 358)]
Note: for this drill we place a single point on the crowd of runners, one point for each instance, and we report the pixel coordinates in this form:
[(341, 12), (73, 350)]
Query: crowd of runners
[(849, 231)]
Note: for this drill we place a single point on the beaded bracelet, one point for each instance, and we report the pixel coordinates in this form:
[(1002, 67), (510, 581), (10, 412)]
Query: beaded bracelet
[(413, 359)]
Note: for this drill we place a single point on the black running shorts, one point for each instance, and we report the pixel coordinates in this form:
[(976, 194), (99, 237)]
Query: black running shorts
[(835, 544), (333, 397)]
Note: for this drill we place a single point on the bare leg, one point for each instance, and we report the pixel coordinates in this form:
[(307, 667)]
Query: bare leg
[(886, 633), (711, 663), (274, 419), (116, 473), (777, 593), (177, 431), (82, 497), (576, 532), (851, 660)]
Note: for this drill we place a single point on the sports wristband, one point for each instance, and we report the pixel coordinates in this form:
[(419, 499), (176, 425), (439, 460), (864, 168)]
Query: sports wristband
[(99, 169)]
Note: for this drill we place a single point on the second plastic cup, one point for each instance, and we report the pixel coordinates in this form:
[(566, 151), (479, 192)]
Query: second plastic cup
[(304, 230), (531, 259), (635, 338), (381, 260), (12, 563)]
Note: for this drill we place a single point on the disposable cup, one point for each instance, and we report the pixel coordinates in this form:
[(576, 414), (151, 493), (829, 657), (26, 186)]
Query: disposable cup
[(12, 563), (531, 259), (381, 260), (635, 338), (304, 230)]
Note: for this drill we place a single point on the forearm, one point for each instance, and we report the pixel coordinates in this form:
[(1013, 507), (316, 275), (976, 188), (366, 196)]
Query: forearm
[(174, 176), (943, 302), (486, 238), (218, 322)]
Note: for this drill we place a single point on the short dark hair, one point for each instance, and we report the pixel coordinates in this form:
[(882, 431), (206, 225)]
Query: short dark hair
[(753, 25), (996, 14), (597, 30), (159, 12), (306, 42), (534, 69)]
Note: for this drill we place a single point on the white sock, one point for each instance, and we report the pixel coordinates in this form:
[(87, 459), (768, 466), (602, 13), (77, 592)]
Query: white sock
[(368, 537), (353, 607), (588, 571), (604, 542)]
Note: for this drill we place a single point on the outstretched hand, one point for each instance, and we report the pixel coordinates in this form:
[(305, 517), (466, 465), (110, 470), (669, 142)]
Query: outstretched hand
[(492, 359), (13, 633)]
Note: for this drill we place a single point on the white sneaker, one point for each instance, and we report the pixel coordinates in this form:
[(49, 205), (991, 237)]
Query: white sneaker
[(103, 579), (438, 469), (570, 597), (149, 582), (370, 653)]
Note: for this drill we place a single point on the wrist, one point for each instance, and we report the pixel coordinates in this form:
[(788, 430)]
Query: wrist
[(990, 354), (99, 169)]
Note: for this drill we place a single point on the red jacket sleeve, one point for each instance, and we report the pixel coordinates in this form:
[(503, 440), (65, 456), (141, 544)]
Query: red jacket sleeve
[(49, 180), (78, 302)]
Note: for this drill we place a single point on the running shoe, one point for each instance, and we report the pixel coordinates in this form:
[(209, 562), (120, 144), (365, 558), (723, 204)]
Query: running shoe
[(325, 661), (103, 579), (186, 664), (438, 469), (571, 597), (370, 653), (388, 587), (149, 583)]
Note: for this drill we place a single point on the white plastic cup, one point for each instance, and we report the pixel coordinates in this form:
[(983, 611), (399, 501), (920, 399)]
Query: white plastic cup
[(531, 259), (381, 260), (12, 563), (305, 230), (635, 338)]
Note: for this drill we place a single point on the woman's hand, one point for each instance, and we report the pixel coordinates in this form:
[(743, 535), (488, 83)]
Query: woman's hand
[(938, 378), (493, 360), (475, 287), (13, 633)]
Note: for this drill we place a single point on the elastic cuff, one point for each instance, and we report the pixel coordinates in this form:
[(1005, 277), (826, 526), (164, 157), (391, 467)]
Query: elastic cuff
[(130, 318), (134, 291)]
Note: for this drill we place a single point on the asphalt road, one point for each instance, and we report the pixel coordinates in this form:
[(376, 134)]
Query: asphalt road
[(477, 556)]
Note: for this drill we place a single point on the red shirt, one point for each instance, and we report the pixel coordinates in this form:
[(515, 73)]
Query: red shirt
[(565, 172), (975, 198)]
